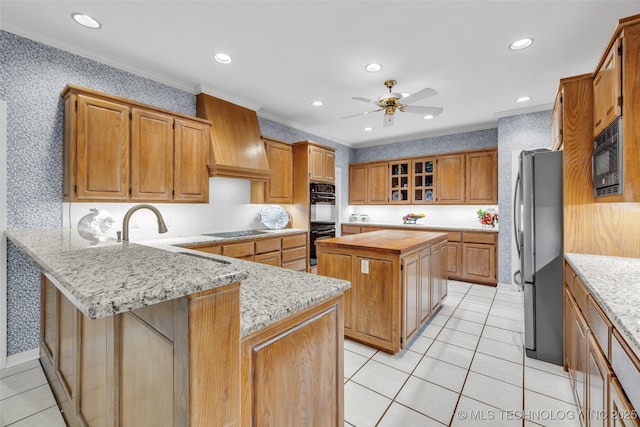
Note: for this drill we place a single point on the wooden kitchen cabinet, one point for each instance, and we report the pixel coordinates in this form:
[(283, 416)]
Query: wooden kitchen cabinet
[(481, 183), (400, 182), (619, 404), (607, 89), (479, 257), (423, 181), (393, 274), (368, 183), (322, 164), (117, 150), (294, 252), (451, 179), (557, 122), (292, 371), (598, 379), (279, 187)]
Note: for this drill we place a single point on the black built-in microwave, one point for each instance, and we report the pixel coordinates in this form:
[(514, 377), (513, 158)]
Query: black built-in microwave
[(606, 164)]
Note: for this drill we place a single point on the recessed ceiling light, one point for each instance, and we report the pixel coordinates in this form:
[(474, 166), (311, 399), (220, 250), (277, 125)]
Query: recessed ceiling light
[(405, 94), (373, 67), (523, 99), (368, 129), (222, 58), (521, 44), (86, 20), (317, 103), (428, 117)]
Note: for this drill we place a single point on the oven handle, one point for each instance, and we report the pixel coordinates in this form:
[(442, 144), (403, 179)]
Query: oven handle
[(323, 232)]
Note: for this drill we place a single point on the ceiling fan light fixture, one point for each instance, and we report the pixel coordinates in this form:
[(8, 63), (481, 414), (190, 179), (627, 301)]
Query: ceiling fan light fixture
[(317, 103), (523, 99), (86, 20), (222, 58), (521, 44), (428, 117), (373, 67)]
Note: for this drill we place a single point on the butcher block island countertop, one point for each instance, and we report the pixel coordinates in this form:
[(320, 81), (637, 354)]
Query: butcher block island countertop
[(135, 334), (398, 281)]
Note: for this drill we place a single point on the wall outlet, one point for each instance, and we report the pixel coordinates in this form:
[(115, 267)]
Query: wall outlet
[(364, 266)]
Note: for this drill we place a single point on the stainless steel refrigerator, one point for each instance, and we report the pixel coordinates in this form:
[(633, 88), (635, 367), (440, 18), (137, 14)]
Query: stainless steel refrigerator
[(538, 216)]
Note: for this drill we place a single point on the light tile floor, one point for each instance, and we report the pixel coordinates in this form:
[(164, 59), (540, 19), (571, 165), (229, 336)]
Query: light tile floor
[(465, 368)]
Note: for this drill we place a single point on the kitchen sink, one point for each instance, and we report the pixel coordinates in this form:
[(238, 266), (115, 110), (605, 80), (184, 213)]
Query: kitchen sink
[(221, 261), (241, 233)]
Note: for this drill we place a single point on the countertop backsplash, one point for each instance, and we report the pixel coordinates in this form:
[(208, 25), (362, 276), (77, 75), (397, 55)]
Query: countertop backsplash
[(450, 215), (229, 208)]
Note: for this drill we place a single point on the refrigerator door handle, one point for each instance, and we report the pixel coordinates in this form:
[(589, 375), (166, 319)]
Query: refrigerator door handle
[(517, 218), (530, 316)]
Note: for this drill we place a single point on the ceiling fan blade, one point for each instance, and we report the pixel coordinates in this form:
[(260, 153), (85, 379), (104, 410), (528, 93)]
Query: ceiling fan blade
[(416, 109), (387, 120), (417, 96), (362, 114), (367, 100)]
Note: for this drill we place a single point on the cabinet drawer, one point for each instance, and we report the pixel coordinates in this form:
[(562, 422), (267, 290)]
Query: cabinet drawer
[(368, 229), (294, 254), (580, 293), (294, 241), (350, 229), (270, 258), (238, 250), (454, 236), (569, 277), (626, 366), (267, 245), (298, 265), (599, 324), (217, 250), (470, 237)]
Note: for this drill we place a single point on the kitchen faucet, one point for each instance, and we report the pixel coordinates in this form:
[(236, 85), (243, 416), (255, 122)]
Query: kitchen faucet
[(162, 227)]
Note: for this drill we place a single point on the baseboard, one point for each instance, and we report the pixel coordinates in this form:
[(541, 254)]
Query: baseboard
[(25, 356)]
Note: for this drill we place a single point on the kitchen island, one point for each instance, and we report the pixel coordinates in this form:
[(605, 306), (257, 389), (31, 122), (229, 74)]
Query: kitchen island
[(398, 282), (149, 335)]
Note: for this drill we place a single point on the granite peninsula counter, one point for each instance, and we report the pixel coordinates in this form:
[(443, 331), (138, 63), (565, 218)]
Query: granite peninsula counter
[(121, 318)]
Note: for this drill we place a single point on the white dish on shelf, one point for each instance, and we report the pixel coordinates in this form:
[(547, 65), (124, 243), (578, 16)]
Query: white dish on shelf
[(274, 217), (395, 195)]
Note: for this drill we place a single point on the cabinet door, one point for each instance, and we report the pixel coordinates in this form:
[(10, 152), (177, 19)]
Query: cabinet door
[(579, 357), (339, 266), (607, 89), (569, 331), (423, 181), (482, 178), (376, 185), (411, 294), (101, 150), (425, 285), (329, 166), (451, 176), (358, 184), (619, 406), (67, 342), (191, 176), (454, 259), (375, 302), (48, 314), (316, 164), (434, 282), (557, 123), (279, 188), (441, 272), (151, 156), (598, 378), (399, 182), (479, 262)]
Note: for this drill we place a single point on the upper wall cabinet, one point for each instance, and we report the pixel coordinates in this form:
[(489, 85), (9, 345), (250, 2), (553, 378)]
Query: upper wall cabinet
[(459, 178), (607, 89), (279, 187), (322, 164), (116, 150)]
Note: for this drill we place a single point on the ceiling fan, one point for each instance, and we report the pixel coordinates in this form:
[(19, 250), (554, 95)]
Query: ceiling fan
[(392, 101)]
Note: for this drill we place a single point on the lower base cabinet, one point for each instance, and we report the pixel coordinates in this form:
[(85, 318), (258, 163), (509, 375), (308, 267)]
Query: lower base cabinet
[(598, 360)]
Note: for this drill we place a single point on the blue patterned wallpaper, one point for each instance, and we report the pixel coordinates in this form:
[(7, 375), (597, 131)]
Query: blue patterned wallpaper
[(522, 132), (437, 145)]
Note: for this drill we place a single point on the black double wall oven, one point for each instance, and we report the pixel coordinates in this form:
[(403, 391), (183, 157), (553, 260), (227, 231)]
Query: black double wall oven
[(323, 215)]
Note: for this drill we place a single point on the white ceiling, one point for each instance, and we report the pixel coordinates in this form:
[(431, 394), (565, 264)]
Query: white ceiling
[(289, 53)]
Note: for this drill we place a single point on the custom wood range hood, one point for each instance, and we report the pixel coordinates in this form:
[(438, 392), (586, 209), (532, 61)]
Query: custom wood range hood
[(237, 151)]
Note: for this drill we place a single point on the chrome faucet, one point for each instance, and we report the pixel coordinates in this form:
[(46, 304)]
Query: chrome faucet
[(162, 227)]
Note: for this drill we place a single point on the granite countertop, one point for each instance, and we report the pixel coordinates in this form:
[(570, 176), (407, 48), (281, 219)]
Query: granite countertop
[(419, 226), (112, 277), (614, 282)]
